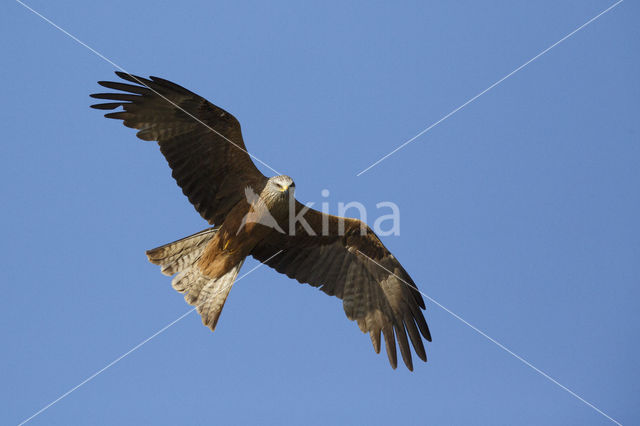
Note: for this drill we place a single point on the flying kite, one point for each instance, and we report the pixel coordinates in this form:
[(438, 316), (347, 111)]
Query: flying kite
[(252, 215)]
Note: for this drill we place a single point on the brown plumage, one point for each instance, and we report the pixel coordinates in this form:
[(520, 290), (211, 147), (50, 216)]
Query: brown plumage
[(252, 214)]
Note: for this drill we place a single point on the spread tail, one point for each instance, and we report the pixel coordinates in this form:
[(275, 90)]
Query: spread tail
[(181, 258), (179, 255)]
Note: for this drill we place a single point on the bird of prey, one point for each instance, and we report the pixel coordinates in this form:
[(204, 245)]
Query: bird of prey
[(252, 215)]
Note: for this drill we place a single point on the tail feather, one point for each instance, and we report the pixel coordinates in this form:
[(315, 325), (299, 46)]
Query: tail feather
[(185, 280), (181, 257), (213, 295)]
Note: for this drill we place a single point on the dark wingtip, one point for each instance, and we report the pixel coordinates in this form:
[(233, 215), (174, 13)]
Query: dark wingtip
[(134, 78), (112, 105), (375, 339), (130, 77), (390, 346), (115, 115)]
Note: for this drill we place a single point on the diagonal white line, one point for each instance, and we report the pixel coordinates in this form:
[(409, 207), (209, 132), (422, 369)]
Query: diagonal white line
[(500, 345), (115, 361), (491, 87), (74, 38), (133, 349), (64, 395)]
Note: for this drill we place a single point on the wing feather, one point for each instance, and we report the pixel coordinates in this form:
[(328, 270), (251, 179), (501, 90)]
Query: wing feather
[(201, 142), (356, 267)]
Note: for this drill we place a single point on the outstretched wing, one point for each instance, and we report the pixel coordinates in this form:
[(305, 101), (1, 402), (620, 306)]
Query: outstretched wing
[(348, 261), (201, 142)]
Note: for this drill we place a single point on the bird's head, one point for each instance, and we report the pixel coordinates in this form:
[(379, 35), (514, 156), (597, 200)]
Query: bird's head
[(281, 186)]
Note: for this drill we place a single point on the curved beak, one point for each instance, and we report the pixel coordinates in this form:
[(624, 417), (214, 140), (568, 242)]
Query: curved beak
[(288, 188)]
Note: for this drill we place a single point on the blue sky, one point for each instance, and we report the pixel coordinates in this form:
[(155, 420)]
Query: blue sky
[(519, 213)]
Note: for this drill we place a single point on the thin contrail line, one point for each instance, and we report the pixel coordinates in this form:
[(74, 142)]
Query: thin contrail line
[(141, 83), (500, 345), (136, 347), (491, 87), (124, 355), (106, 367)]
